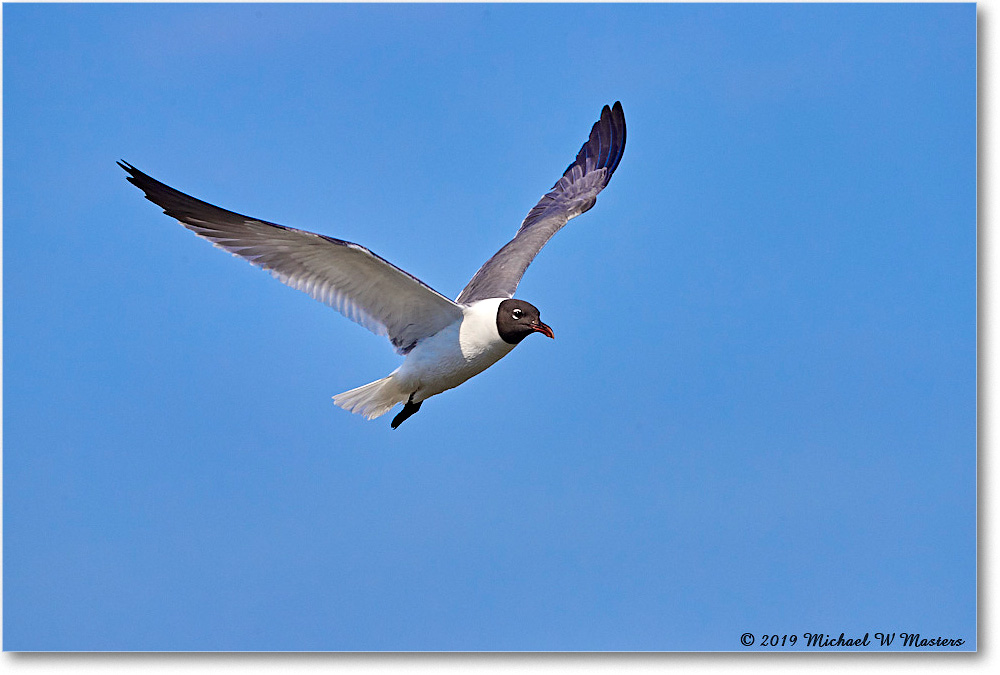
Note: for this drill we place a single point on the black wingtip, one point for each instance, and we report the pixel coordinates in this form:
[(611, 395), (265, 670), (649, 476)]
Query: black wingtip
[(134, 175), (127, 167), (618, 123), (606, 144), (149, 185)]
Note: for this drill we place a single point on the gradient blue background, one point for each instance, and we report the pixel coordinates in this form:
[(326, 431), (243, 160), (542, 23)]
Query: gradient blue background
[(758, 414)]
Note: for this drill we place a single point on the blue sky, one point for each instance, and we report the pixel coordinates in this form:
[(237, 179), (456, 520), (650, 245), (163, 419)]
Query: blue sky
[(758, 414)]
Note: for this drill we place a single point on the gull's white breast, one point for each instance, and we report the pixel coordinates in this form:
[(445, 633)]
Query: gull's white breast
[(454, 354)]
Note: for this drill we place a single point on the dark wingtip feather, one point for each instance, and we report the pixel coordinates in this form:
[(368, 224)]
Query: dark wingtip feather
[(152, 189), (618, 123), (131, 170), (606, 144), (178, 205), (139, 179)]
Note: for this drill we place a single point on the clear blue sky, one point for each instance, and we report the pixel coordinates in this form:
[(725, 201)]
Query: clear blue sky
[(758, 414)]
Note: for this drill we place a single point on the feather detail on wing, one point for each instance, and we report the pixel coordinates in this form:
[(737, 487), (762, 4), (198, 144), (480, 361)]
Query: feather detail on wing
[(349, 278), (573, 194)]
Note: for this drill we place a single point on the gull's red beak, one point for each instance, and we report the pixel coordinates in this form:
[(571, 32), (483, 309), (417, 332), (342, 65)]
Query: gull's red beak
[(543, 329)]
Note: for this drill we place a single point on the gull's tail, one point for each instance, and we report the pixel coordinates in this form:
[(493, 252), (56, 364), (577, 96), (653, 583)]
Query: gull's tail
[(372, 400)]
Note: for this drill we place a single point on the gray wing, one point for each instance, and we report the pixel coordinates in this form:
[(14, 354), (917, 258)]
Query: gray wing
[(573, 194), (354, 281)]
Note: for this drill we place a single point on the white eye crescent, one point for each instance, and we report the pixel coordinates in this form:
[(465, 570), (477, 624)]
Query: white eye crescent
[(516, 314)]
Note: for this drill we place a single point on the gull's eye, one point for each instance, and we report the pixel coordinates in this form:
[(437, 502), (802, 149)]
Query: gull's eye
[(516, 314)]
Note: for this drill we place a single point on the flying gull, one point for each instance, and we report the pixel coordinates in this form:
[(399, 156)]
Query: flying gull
[(444, 342)]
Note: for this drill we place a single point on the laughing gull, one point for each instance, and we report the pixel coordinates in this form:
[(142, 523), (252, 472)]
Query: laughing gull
[(445, 342)]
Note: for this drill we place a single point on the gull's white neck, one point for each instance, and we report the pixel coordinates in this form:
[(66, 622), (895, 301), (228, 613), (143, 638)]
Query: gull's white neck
[(478, 333)]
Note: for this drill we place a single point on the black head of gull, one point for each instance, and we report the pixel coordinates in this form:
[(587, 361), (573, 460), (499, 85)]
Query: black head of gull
[(517, 319)]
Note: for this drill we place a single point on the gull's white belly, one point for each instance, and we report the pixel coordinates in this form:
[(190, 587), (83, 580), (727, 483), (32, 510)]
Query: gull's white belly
[(454, 354)]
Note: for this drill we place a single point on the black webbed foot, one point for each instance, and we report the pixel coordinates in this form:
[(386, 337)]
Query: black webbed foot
[(409, 409)]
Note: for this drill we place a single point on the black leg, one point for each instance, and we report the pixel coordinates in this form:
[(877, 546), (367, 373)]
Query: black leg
[(408, 409)]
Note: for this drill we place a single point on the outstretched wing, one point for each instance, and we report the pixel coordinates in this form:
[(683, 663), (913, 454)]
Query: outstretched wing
[(573, 194), (354, 281)]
